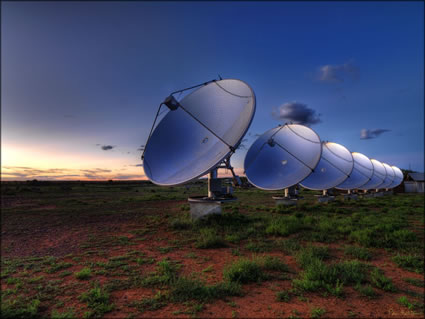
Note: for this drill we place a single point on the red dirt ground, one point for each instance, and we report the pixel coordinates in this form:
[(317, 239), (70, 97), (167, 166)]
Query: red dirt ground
[(55, 238)]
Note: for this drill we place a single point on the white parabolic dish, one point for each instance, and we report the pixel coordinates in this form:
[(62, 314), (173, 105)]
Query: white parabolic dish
[(398, 178), (362, 172), (389, 178), (335, 165), (282, 157), (181, 149), (378, 177)]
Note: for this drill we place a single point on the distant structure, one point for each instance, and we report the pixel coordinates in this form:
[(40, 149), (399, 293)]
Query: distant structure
[(414, 183)]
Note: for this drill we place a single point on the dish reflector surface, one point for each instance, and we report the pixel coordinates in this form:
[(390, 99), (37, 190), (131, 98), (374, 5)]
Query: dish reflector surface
[(282, 157), (398, 178), (378, 177), (389, 178), (335, 165), (361, 173), (181, 149)]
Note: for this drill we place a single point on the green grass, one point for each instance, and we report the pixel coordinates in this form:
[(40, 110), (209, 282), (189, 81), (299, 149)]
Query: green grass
[(358, 252), (154, 303), (289, 246), (20, 307), (310, 254), (403, 300), (410, 262), (208, 238), (246, 270), (283, 296), (379, 280), (285, 225), (185, 289), (366, 290), (69, 314), (320, 276), (59, 266), (98, 301), (414, 282), (317, 312), (83, 274)]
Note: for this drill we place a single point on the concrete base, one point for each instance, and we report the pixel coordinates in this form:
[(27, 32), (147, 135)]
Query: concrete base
[(368, 195), (379, 194), (285, 200), (201, 207), (350, 197), (389, 192), (325, 199)]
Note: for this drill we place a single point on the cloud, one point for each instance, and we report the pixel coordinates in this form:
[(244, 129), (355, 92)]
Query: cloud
[(107, 147), (338, 73), (366, 134), (29, 173), (297, 113)]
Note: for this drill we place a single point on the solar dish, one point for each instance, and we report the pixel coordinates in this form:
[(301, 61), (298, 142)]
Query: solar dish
[(378, 176), (398, 178), (335, 165), (199, 132), (361, 173), (389, 178), (282, 157)]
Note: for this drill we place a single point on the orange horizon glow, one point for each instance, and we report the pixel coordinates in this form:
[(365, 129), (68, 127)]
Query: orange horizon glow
[(21, 164)]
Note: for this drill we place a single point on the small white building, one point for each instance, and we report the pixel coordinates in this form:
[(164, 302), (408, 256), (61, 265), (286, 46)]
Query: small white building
[(414, 183)]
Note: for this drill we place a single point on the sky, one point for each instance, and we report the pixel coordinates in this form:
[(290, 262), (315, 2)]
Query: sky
[(81, 81)]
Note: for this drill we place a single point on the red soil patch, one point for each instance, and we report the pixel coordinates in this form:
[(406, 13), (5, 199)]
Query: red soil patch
[(55, 237)]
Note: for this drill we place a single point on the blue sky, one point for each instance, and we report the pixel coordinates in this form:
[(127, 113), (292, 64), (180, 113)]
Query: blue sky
[(80, 75)]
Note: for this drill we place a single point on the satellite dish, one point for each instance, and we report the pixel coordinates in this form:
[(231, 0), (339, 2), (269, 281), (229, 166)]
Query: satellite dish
[(200, 132), (398, 178), (334, 167), (378, 176), (362, 172), (282, 157), (389, 178)]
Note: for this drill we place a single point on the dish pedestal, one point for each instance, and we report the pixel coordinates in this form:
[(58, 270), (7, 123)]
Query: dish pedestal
[(201, 206)]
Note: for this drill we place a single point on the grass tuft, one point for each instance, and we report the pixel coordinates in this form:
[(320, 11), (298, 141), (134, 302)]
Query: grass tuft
[(83, 274)]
